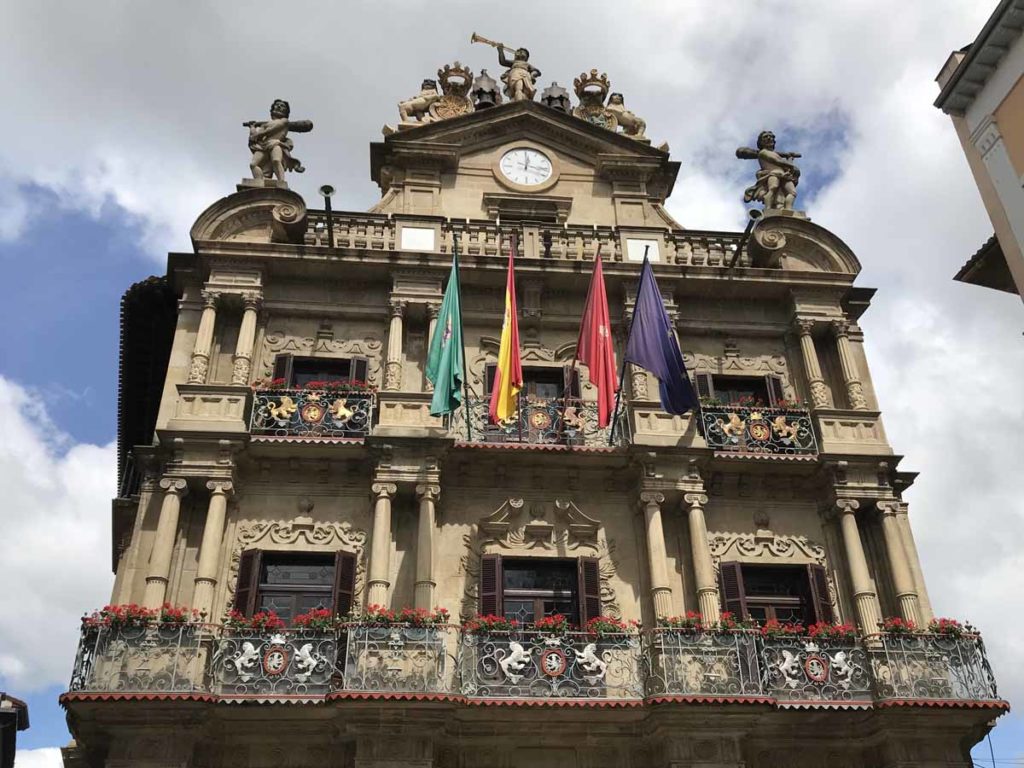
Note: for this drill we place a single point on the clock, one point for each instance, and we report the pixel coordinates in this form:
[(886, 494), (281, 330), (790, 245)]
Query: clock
[(526, 167)]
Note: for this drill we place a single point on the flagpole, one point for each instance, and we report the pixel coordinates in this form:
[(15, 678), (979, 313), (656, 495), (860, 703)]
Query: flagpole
[(622, 368), (462, 338), (567, 385)]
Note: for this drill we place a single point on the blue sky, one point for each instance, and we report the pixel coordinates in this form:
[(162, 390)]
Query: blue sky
[(112, 162)]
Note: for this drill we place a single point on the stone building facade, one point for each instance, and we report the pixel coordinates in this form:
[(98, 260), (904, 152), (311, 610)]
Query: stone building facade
[(260, 472)]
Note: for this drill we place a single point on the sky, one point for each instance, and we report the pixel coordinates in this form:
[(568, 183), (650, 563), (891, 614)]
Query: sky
[(128, 124)]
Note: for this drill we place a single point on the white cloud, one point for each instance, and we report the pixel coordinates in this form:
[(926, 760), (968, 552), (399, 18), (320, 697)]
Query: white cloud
[(55, 547), (48, 757)]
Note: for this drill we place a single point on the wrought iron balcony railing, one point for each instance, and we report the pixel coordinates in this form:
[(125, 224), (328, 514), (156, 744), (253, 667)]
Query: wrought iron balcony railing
[(313, 413), (539, 422), (753, 429), (530, 665), (537, 665), (934, 667)]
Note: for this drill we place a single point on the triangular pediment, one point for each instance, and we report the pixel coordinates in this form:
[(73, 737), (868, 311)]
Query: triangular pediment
[(447, 140)]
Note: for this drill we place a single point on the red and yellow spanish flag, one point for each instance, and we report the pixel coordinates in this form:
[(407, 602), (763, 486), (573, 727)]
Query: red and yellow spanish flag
[(508, 379)]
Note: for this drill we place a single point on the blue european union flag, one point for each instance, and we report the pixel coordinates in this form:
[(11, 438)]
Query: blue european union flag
[(652, 345)]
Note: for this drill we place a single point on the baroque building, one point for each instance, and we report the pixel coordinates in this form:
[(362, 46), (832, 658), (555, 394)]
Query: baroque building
[(278, 453)]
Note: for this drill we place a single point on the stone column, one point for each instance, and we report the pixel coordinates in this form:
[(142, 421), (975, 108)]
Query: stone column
[(819, 392), (854, 390), (246, 339), (864, 597), (209, 549), (380, 544), (425, 584), (661, 592), (204, 339), (433, 310), (910, 547), (393, 366), (703, 567), (899, 568), (174, 489)]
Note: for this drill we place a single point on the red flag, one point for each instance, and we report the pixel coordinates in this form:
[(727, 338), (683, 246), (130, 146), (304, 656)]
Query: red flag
[(594, 346)]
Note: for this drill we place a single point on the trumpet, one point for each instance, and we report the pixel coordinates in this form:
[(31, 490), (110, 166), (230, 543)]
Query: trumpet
[(475, 38)]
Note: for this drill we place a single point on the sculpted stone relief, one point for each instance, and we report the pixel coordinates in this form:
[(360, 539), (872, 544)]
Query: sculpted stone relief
[(278, 342), (731, 362), (325, 536), (519, 526)]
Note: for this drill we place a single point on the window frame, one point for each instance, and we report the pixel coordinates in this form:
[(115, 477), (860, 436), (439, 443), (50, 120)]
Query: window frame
[(285, 364)]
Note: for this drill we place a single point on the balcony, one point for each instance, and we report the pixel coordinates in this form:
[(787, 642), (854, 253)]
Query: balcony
[(758, 430), (359, 661), (313, 413), (571, 422)]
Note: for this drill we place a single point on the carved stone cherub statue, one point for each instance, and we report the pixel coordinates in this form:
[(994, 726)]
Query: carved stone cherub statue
[(521, 77), (417, 109), (269, 143), (776, 181), (631, 125)]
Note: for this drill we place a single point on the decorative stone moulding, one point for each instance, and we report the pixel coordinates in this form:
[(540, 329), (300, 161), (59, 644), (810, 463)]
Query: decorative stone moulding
[(259, 214)]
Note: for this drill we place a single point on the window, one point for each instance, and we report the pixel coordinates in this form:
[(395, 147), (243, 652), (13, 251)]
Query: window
[(527, 589), (541, 402), (782, 592), (542, 384), (728, 389), (297, 372), (290, 583)]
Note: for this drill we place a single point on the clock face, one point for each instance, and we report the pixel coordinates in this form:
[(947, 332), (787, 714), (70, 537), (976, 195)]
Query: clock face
[(527, 167)]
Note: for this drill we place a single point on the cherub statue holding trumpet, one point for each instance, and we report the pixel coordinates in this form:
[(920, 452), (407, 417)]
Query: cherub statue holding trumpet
[(520, 77)]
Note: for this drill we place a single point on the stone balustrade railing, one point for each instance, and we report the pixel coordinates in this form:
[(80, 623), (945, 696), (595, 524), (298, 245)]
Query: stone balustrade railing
[(563, 242), (658, 665)]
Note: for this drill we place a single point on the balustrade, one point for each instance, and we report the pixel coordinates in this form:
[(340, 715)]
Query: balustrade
[(529, 664)]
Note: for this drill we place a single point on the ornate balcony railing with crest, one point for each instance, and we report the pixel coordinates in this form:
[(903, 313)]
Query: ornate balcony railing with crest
[(313, 413), (753, 429), (540, 422), (537, 665), (934, 667), (530, 665)]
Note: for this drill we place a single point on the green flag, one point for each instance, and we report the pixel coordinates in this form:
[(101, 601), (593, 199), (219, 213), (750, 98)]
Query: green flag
[(446, 358)]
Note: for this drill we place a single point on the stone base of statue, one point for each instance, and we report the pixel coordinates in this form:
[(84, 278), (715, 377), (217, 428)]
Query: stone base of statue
[(266, 183), (784, 212)]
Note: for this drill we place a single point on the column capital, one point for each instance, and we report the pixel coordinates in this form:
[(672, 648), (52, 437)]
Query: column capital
[(176, 485), (847, 506), (649, 498), (840, 327), (252, 300), (428, 492), (888, 506), (210, 298), (384, 490), (220, 487), (804, 325), (433, 310), (397, 306), (695, 499)]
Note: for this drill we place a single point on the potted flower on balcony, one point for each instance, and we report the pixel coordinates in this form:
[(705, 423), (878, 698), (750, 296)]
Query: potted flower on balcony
[(829, 632), (264, 621), (270, 384), (774, 629), (118, 617), (316, 620), (605, 626), (489, 624), (727, 622), (951, 628), (895, 626), (555, 625), (691, 623)]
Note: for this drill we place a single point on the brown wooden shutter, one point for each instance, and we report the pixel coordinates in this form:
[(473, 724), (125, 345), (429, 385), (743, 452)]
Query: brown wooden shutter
[(344, 582), (571, 381), (490, 586), (283, 368), (774, 386), (589, 587), (821, 602), (734, 599), (705, 384), (359, 369), (491, 372), (250, 563)]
